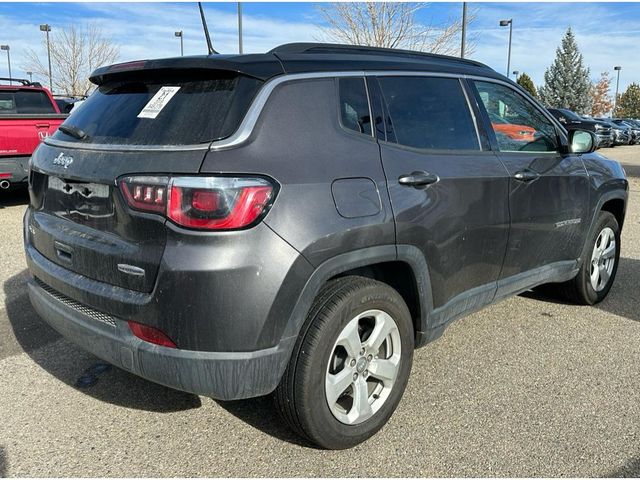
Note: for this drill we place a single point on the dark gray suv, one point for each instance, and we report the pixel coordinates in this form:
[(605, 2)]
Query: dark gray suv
[(298, 222)]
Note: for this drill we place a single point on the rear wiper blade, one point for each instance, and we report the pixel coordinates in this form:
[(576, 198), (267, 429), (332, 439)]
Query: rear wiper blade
[(73, 131)]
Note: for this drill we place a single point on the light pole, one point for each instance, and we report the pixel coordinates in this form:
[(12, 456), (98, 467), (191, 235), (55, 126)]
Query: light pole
[(464, 29), (179, 34), (515, 74), (30, 76), (239, 27), (47, 28), (615, 100), (6, 47), (504, 23)]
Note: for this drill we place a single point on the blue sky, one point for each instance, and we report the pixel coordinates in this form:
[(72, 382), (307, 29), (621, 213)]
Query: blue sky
[(607, 33)]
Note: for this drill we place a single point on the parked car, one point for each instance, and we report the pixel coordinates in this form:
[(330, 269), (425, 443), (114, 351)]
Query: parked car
[(27, 115), (519, 133), (572, 121), (297, 222), (633, 129), (621, 134), (66, 103)]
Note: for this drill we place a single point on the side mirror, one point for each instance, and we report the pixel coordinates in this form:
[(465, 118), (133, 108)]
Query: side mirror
[(582, 141)]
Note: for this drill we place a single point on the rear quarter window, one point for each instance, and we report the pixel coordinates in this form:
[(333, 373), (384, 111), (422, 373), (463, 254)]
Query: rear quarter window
[(354, 105), (203, 109)]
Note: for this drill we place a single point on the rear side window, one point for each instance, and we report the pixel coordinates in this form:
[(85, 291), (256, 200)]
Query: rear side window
[(429, 113), (198, 109), (25, 102), (354, 105)]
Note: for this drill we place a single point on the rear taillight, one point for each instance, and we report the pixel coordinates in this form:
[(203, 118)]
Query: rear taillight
[(5, 175), (150, 334), (203, 203)]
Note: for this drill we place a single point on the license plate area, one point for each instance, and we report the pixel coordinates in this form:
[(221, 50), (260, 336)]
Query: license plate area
[(69, 199)]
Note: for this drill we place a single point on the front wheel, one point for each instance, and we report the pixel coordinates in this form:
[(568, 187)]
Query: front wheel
[(351, 364), (599, 265)]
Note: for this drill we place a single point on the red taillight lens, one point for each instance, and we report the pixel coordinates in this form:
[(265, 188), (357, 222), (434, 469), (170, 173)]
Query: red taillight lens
[(205, 203), (150, 334), (5, 175), (148, 194)]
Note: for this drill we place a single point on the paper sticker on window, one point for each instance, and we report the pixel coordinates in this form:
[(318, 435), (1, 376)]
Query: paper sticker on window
[(158, 102)]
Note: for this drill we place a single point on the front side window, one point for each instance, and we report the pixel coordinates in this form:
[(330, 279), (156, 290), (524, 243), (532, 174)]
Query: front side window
[(354, 105), (429, 113), (519, 126)]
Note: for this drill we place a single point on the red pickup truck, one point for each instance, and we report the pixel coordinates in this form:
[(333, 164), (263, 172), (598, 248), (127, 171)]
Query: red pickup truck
[(28, 114)]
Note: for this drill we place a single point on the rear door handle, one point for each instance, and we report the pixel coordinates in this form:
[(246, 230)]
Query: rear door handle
[(418, 179), (526, 175)]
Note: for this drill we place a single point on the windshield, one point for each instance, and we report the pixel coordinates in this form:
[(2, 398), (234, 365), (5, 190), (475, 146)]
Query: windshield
[(164, 110), (570, 114)]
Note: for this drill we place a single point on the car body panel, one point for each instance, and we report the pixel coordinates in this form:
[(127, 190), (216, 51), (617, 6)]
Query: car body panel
[(235, 302)]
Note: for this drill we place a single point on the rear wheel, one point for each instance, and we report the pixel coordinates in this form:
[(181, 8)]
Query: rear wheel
[(599, 265), (351, 364)]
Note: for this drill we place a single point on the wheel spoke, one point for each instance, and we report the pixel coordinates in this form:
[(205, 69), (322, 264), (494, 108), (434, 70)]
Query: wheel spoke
[(361, 407), (350, 339), (384, 326), (604, 274), (609, 251), (385, 369), (337, 384), (595, 277)]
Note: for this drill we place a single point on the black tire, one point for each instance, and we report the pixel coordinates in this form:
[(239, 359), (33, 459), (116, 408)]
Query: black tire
[(580, 290), (300, 397)]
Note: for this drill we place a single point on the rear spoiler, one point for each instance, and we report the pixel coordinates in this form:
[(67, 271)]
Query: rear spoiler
[(258, 66)]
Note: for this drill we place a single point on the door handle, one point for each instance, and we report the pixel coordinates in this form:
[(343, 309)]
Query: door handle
[(418, 179), (526, 175)]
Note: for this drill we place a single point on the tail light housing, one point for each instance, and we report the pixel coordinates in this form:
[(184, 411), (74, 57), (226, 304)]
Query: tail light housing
[(202, 203)]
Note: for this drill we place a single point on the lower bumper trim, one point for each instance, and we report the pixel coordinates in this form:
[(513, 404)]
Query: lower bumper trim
[(220, 375)]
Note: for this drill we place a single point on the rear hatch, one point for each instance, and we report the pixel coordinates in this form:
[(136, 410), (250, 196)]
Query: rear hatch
[(149, 122)]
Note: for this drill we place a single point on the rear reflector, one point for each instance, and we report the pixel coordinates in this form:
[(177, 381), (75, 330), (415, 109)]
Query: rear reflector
[(150, 334), (202, 203), (6, 175)]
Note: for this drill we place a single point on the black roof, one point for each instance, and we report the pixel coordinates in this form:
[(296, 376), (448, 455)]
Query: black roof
[(304, 58)]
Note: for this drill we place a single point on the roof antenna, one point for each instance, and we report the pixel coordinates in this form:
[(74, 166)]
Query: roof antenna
[(206, 30)]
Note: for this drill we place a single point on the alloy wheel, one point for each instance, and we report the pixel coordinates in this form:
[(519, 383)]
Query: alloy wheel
[(603, 259), (363, 367)]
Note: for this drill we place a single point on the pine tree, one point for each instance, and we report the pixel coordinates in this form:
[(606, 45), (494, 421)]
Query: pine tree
[(566, 81), (600, 98), (525, 82), (629, 102)]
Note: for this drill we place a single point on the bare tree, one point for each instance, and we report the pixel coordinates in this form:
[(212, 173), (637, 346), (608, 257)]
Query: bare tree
[(391, 25), (75, 53)]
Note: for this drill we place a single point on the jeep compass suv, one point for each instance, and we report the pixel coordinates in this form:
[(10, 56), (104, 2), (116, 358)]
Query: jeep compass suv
[(298, 222)]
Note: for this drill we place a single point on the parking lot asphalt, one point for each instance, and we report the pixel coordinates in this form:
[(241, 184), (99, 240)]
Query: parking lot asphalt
[(528, 387)]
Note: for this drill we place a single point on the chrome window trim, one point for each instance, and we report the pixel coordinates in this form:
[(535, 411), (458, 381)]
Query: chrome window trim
[(248, 123)]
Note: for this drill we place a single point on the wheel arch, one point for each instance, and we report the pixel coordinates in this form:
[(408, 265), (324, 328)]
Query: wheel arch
[(403, 267)]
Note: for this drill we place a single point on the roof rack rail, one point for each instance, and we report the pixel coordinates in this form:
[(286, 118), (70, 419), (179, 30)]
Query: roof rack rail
[(23, 81), (363, 50)]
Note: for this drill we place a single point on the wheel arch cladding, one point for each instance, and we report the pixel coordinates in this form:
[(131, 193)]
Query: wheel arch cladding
[(615, 206)]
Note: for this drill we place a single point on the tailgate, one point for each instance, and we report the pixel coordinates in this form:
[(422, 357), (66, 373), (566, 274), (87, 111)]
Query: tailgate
[(80, 220), (21, 134)]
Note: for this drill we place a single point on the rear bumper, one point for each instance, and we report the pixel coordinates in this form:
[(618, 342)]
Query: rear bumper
[(17, 167), (221, 375)]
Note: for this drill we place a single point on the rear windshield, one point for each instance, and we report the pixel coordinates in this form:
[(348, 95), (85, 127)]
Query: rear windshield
[(25, 102), (164, 110)]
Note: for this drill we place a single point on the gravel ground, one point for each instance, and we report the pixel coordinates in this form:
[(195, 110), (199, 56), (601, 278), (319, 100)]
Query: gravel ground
[(527, 387)]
